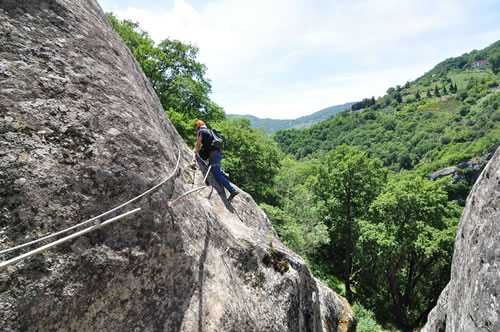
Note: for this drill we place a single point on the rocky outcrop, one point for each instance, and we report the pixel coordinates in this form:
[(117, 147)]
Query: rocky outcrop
[(82, 132), (465, 171), (452, 170), (470, 301)]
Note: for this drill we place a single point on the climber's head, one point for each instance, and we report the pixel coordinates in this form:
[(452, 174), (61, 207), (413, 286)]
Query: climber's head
[(200, 124)]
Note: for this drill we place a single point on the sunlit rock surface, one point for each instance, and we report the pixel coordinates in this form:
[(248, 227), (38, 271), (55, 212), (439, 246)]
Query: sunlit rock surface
[(471, 300), (82, 131)]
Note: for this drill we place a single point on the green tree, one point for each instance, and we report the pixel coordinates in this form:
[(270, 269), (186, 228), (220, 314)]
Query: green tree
[(298, 219), (407, 245), (436, 92), (494, 61), (347, 185), (365, 320), (251, 157), (129, 31), (397, 97), (181, 84), (176, 76), (471, 84), (452, 88), (140, 44)]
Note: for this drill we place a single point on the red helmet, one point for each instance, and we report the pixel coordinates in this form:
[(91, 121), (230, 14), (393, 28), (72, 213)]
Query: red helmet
[(199, 124)]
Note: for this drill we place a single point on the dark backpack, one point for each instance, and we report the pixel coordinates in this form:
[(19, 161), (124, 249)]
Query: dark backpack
[(218, 141)]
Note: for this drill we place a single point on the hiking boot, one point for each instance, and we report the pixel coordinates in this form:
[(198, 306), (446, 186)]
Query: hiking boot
[(231, 196)]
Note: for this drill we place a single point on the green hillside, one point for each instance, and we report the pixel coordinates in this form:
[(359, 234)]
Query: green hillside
[(273, 125), (270, 125), (448, 115), (355, 198)]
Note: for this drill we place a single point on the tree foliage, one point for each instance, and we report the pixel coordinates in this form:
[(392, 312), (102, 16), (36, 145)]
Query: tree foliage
[(464, 61), (407, 245), (367, 102), (408, 136), (346, 185), (391, 241), (251, 158), (176, 76), (298, 218), (494, 61)]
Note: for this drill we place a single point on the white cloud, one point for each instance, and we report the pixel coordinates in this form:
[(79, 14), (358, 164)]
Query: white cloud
[(301, 99), (258, 52)]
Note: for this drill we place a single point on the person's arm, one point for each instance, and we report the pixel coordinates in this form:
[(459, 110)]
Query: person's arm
[(197, 146)]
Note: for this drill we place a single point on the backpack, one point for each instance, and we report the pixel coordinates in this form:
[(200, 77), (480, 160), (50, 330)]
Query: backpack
[(218, 141)]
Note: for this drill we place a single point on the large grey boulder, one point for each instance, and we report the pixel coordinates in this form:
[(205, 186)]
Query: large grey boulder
[(471, 300), (81, 132)]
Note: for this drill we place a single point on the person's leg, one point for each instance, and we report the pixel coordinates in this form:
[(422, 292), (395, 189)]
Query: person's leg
[(215, 160)]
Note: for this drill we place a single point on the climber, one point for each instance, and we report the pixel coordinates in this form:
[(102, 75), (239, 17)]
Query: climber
[(205, 137)]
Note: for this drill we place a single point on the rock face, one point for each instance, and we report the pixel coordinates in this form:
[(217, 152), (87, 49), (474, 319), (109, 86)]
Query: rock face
[(467, 170), (471, 300), (81, 132)]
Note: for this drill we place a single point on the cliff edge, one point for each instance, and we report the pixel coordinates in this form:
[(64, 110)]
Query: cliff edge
[(471, 300), (83, 132)]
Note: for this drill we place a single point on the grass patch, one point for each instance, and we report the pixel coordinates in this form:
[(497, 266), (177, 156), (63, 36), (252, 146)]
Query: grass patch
[(366, 322), (462, 79)]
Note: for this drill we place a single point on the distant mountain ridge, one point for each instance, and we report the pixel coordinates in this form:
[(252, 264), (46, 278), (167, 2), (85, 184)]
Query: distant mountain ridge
[(273, 125)]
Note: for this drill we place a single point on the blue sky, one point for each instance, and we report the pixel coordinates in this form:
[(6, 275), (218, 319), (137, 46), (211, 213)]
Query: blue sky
[(283, 59)]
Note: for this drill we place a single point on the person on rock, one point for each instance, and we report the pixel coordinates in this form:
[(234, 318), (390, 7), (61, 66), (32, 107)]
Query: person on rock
[(208, 151)]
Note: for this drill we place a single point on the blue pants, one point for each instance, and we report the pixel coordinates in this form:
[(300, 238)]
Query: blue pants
[(215, 162)]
